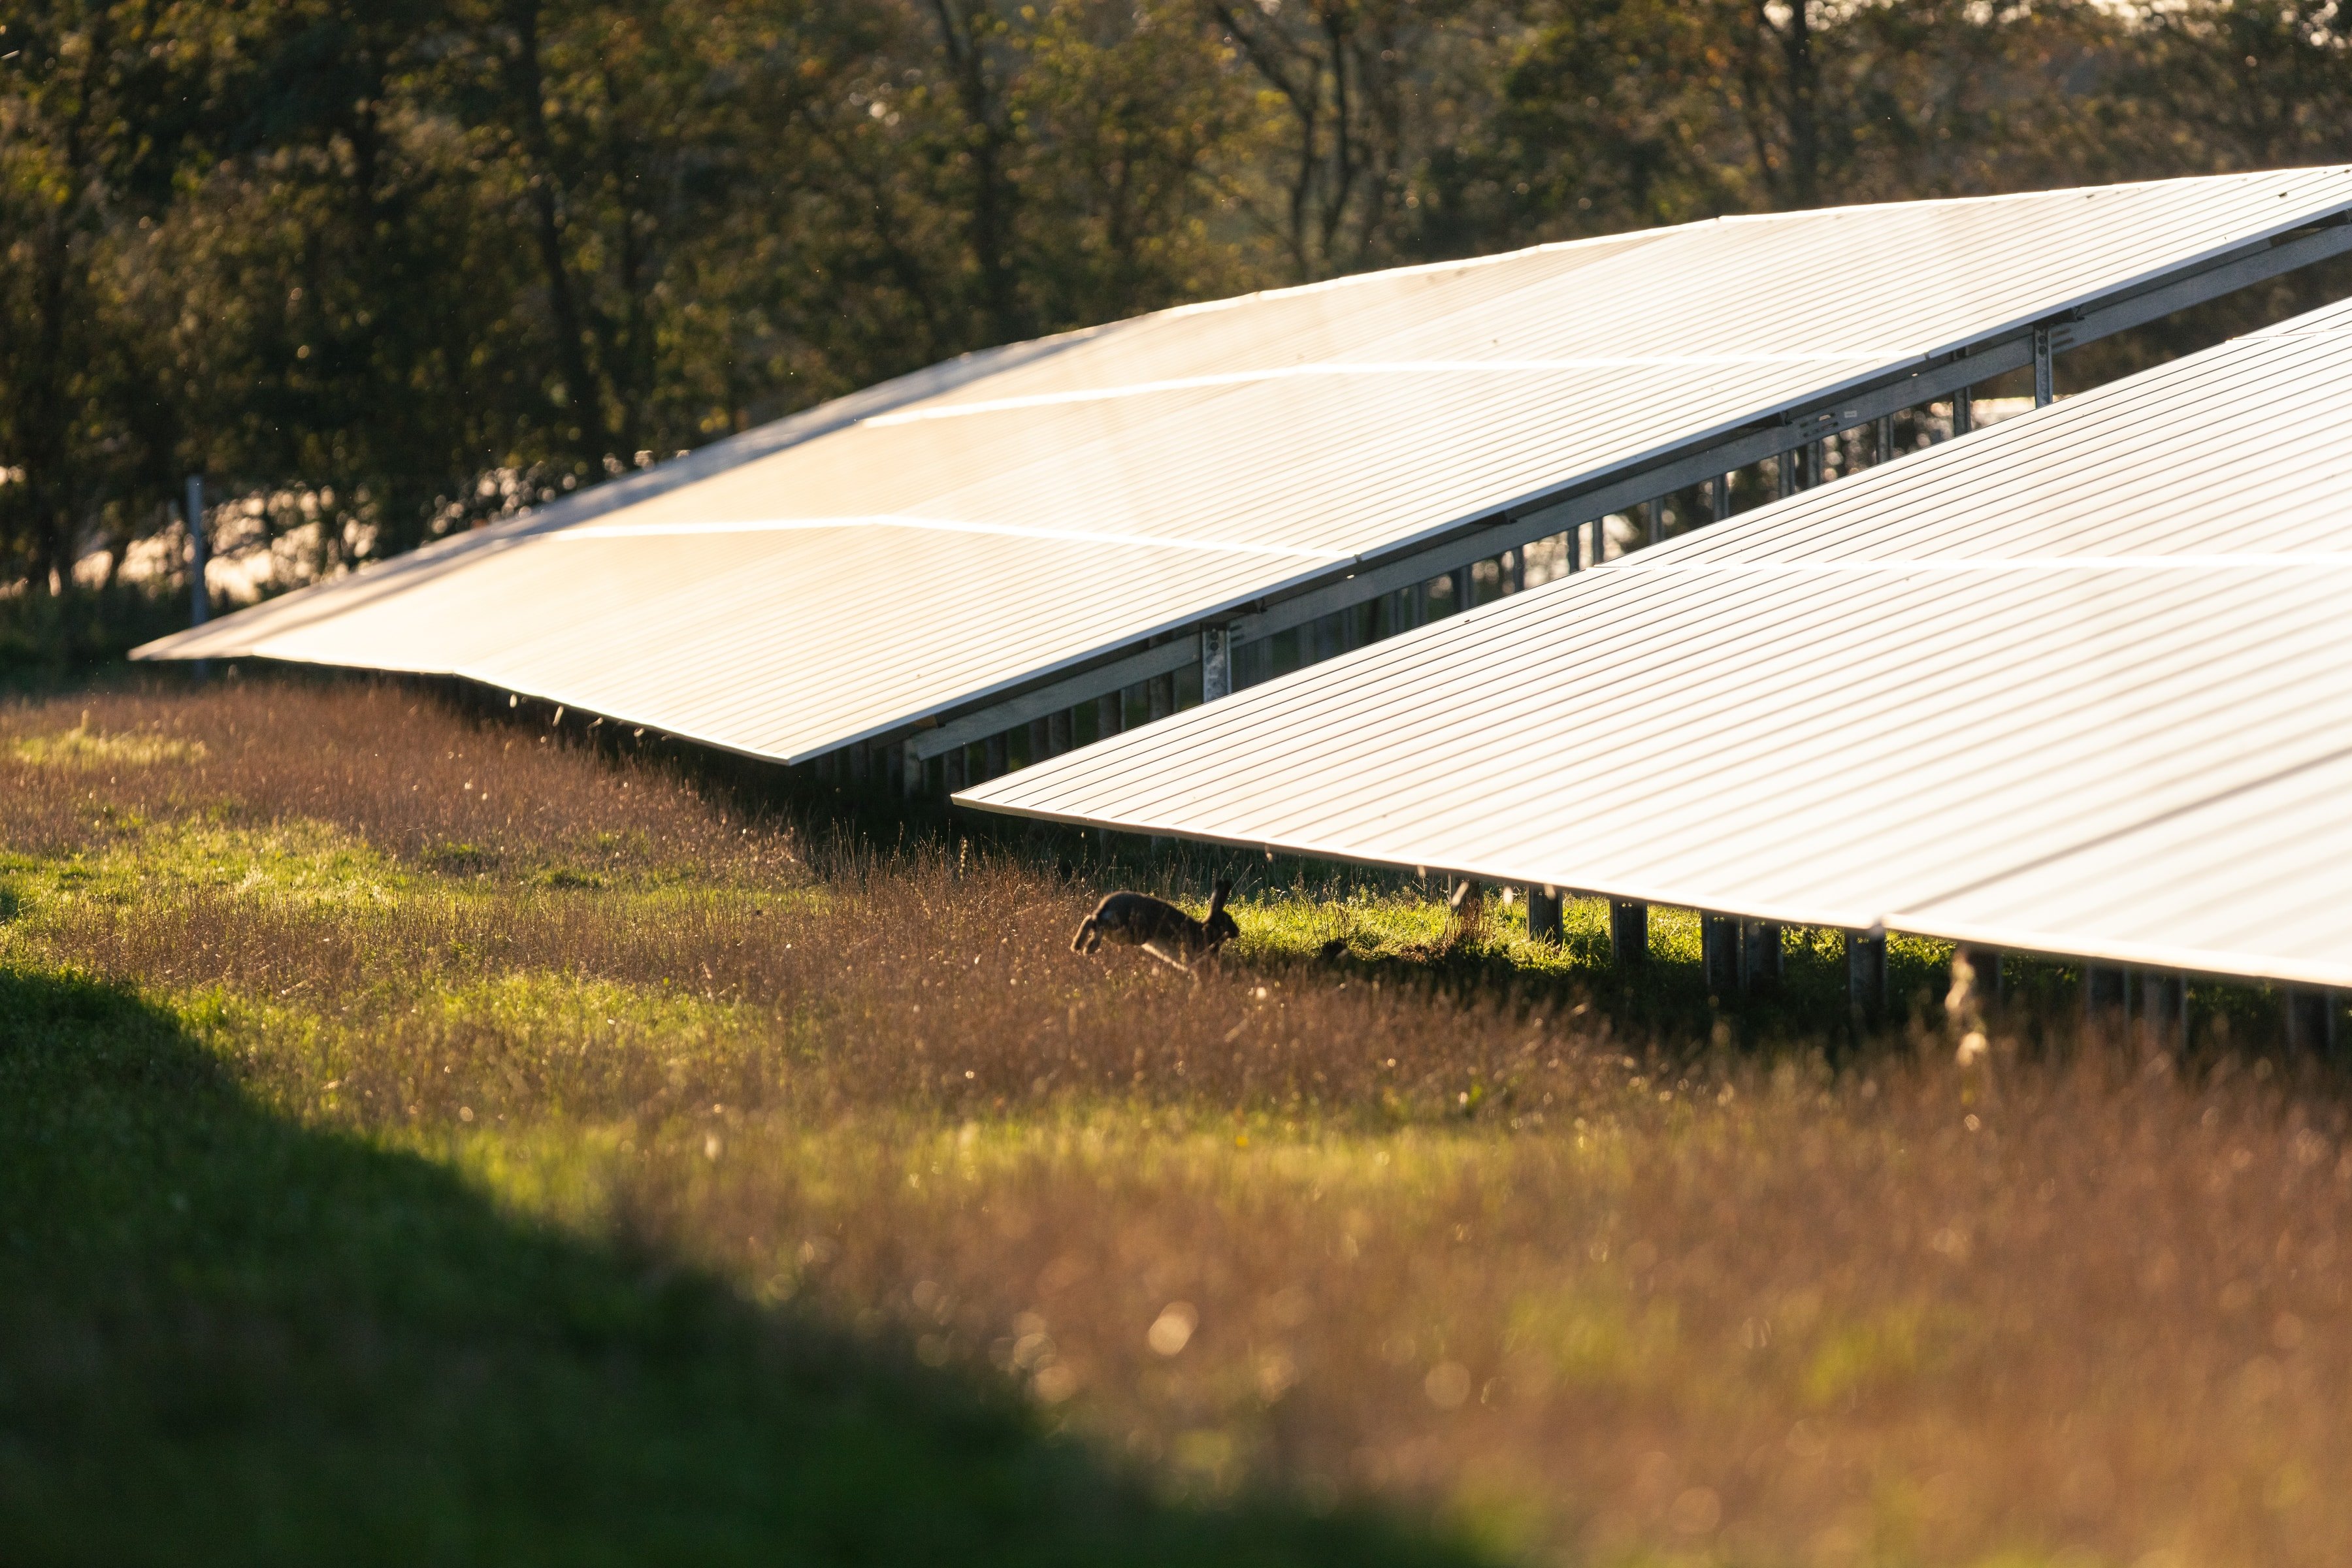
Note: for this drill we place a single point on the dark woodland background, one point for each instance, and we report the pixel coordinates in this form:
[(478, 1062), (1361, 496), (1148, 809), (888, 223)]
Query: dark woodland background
[(384, 269)]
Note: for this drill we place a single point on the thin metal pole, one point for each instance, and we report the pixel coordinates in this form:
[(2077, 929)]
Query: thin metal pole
[(2045, 384), (1217, 663), (1465, 586), (200, 605), (1719, 498), (1885, 438), (1961, 412), (1657, 511)]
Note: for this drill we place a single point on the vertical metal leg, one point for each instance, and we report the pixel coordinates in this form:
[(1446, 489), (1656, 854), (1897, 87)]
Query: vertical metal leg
[(1963, 414), (1885, 438), (2311, 1018), (1784, 473), (1576, 548), (1543, 914), (1466, 589), (1599, 539), (996, 762), (1060, 732), (1720, 955), (1110, 718), (1629, 933), (1420, 603), (2104, 990), (952, 770), (1518, 577), (1041, 741), (1719, 498), (1217, 663), (1657, 517), (1865, 976), (1760, 951), (2046, 380), (1985, 962)]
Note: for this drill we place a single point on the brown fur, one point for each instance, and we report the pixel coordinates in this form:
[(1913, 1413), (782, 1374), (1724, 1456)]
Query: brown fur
[(1139, 920)]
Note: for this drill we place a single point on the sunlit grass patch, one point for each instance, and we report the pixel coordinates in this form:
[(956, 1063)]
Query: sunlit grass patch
[(84, 747)]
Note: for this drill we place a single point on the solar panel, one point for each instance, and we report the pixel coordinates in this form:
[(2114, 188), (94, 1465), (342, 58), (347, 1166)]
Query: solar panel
[(2079, 683), (1035, 524)]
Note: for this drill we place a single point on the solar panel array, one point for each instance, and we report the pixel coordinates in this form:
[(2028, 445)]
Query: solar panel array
[(873, 564), (2079, 683)]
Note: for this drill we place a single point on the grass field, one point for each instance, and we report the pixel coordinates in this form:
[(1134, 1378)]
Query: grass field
[(426, 1138)]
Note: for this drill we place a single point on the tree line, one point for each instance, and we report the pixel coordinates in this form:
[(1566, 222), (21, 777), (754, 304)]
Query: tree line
[(385, 269)]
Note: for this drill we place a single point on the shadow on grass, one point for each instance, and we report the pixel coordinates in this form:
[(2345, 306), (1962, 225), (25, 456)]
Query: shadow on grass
[(225, 1337)]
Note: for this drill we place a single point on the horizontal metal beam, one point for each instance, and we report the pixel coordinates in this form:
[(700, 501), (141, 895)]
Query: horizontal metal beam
[(1598, 495), (1165, 659)]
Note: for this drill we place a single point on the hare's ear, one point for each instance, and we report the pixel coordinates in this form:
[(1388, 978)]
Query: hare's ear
[(1224, 891)]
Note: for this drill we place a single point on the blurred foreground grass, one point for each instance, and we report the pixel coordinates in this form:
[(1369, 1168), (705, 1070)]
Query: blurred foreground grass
[(420, 1140)]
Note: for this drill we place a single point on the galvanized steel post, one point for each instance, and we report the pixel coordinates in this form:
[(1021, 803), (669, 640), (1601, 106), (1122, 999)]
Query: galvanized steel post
[(1865, 976), (1759, 942), (2045, 389), (1885, 438), (1629, 932), (200, 602), (1217, 663), (1543, 914), (1719, 498), (1465, 587), (1963, 414)]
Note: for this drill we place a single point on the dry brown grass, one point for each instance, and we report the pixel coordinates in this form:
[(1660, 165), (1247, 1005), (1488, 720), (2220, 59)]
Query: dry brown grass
[(1607, 1301)]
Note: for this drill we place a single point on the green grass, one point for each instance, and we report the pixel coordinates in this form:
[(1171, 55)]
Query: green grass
[(235, 1338), (422, 1140)]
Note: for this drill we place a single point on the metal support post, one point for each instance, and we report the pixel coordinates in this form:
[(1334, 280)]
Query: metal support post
[(1518, 577), (1159, 697), (1865, 976), (1885, 438), (200, 601), (1110, 714), (1816, 463), (1629, 933), (1760, 951), (1719, 956), (2105, 990), (2310, 1018), (997, 762), (1060, 731), (1576, 549), (200, 598), (1465, 587), (1543, 914), (1985, 962), (1784, 475), (1657, 509), (1963, 414), (1217, 663), (2045, 381), (1419, 606), (1599, 539), (952, 770), (1719, 498)]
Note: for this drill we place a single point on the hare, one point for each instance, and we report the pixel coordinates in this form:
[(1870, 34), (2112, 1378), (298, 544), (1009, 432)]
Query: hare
[(1158, 927)]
